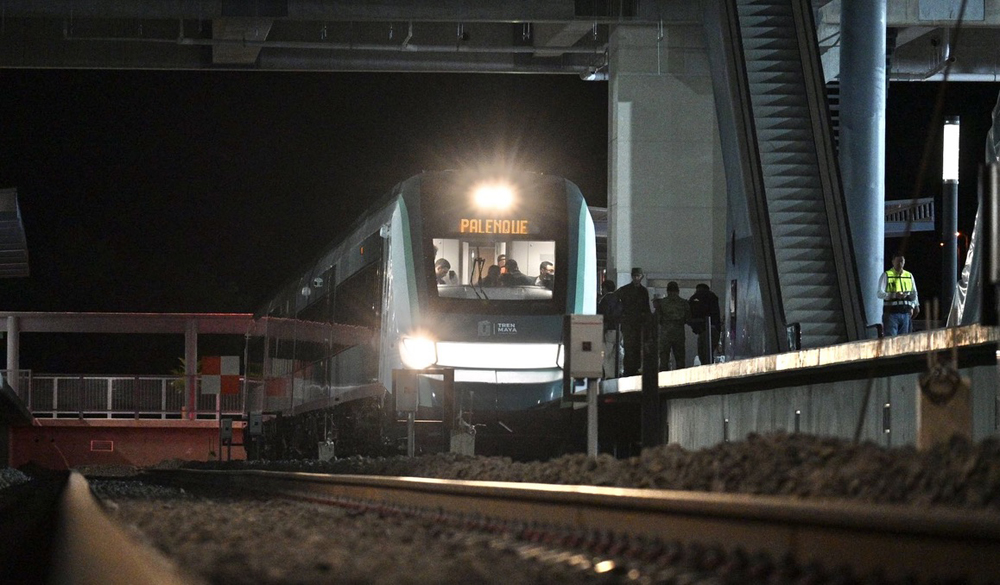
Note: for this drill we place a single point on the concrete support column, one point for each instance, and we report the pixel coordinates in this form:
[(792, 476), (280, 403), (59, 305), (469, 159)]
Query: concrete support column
[(667, 190), (13, 353), (191, 368), (862, 139)]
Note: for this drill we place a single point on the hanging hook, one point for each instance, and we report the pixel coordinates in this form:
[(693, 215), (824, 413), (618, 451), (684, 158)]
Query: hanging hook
[(409, 34)]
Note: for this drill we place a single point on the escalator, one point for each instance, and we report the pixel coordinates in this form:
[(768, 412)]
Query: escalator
[(788, 170)]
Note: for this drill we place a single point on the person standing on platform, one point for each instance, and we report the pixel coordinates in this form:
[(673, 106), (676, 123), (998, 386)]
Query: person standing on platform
[(610, 306), (635, 304), (898, 291), (706, 321), (672, 314)]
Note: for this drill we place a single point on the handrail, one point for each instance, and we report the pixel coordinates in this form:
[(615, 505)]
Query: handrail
[(95, 396)]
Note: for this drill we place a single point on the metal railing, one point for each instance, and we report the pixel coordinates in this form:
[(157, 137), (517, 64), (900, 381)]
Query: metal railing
[(91, 396)]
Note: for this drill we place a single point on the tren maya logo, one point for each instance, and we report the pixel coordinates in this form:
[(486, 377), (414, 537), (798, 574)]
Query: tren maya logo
[(487, 328)]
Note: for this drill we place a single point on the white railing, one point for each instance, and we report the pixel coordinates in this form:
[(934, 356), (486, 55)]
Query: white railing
[(909, 215), (89, 396)]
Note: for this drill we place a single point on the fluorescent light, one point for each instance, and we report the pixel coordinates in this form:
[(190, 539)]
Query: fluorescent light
[(949, 166)]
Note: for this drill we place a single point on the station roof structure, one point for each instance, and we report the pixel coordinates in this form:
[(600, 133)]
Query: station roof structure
[(501, 36)]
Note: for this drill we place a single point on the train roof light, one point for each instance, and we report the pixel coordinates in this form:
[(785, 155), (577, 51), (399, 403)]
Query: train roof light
[(493, 195)]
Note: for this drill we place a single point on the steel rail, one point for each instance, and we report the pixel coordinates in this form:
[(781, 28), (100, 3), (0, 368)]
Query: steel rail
[(893, 540), (91, 548), (64, 537)]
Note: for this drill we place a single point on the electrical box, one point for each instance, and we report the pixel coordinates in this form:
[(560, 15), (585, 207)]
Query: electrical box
[(255, 424), (226, 429), (404, 387), (585, 355)]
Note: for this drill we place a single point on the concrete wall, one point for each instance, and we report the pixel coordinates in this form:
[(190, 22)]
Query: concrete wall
[(826, 408), (667, 189)]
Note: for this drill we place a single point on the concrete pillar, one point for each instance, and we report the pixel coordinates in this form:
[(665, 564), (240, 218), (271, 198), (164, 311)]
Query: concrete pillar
[(862, 139), (667, 189), (191, 368), (13, 353)]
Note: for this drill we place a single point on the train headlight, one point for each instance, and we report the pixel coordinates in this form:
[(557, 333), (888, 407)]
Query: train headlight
[(493, 196), (418, 352)]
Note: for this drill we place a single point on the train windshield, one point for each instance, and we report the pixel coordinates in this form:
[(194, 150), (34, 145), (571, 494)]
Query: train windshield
[(494, 268), (495, 242)]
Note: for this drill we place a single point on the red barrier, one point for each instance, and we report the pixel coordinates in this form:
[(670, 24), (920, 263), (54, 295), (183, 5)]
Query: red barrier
[(69, 443)]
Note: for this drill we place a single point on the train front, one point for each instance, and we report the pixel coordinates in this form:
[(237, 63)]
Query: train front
[(498, 262)]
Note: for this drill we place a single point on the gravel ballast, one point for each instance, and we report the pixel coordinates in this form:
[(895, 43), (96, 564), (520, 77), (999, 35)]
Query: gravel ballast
[(958, 473)]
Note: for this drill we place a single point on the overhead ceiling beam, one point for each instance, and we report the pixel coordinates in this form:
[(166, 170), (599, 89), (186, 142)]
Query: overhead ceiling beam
[(549, 37), (329, 10), (239, 30)]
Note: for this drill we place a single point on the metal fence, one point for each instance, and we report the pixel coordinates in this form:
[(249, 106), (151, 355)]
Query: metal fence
[(86, 396)]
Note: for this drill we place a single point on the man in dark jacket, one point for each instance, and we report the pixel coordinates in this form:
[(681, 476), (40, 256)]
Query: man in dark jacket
[(610, 306), (636, 314), (706, 322), (513, 276)]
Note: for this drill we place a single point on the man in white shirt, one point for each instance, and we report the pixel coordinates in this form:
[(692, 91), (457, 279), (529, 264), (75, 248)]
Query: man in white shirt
[(898, 291)]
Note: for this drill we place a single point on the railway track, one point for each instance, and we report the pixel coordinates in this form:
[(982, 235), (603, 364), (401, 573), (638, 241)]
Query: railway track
[(895, 542), (55, 531)]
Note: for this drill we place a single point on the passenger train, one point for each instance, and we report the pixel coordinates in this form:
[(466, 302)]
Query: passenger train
[(444, 273)]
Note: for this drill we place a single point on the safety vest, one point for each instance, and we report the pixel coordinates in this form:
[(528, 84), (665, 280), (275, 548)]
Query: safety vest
[(898, 282)]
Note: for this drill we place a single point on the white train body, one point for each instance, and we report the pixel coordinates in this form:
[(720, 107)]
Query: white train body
[(502, 338)]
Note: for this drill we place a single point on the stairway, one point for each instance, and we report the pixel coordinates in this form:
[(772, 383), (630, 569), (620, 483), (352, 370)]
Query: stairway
[(813, 267)]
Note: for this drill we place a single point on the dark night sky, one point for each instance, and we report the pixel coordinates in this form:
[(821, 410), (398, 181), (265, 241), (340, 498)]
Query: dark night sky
[(913, 163), (203, 191)]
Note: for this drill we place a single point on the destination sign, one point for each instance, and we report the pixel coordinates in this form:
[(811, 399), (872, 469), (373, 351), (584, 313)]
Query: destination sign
[(493, 226)]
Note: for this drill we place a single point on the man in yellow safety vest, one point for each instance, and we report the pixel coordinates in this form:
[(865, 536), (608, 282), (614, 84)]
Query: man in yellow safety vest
[(898, 291)]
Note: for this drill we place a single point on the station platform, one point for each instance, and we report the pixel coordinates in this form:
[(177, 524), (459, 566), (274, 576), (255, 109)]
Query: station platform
[(881, 358), (864, 390)]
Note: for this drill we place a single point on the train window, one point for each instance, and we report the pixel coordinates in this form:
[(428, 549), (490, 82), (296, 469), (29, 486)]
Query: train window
[(495, 269), (357, 300)]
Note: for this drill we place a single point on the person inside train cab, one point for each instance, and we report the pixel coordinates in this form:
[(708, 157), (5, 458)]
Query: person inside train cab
[(492, 277), (502, 263), (546, 275), (514, 276), (445, 275)]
